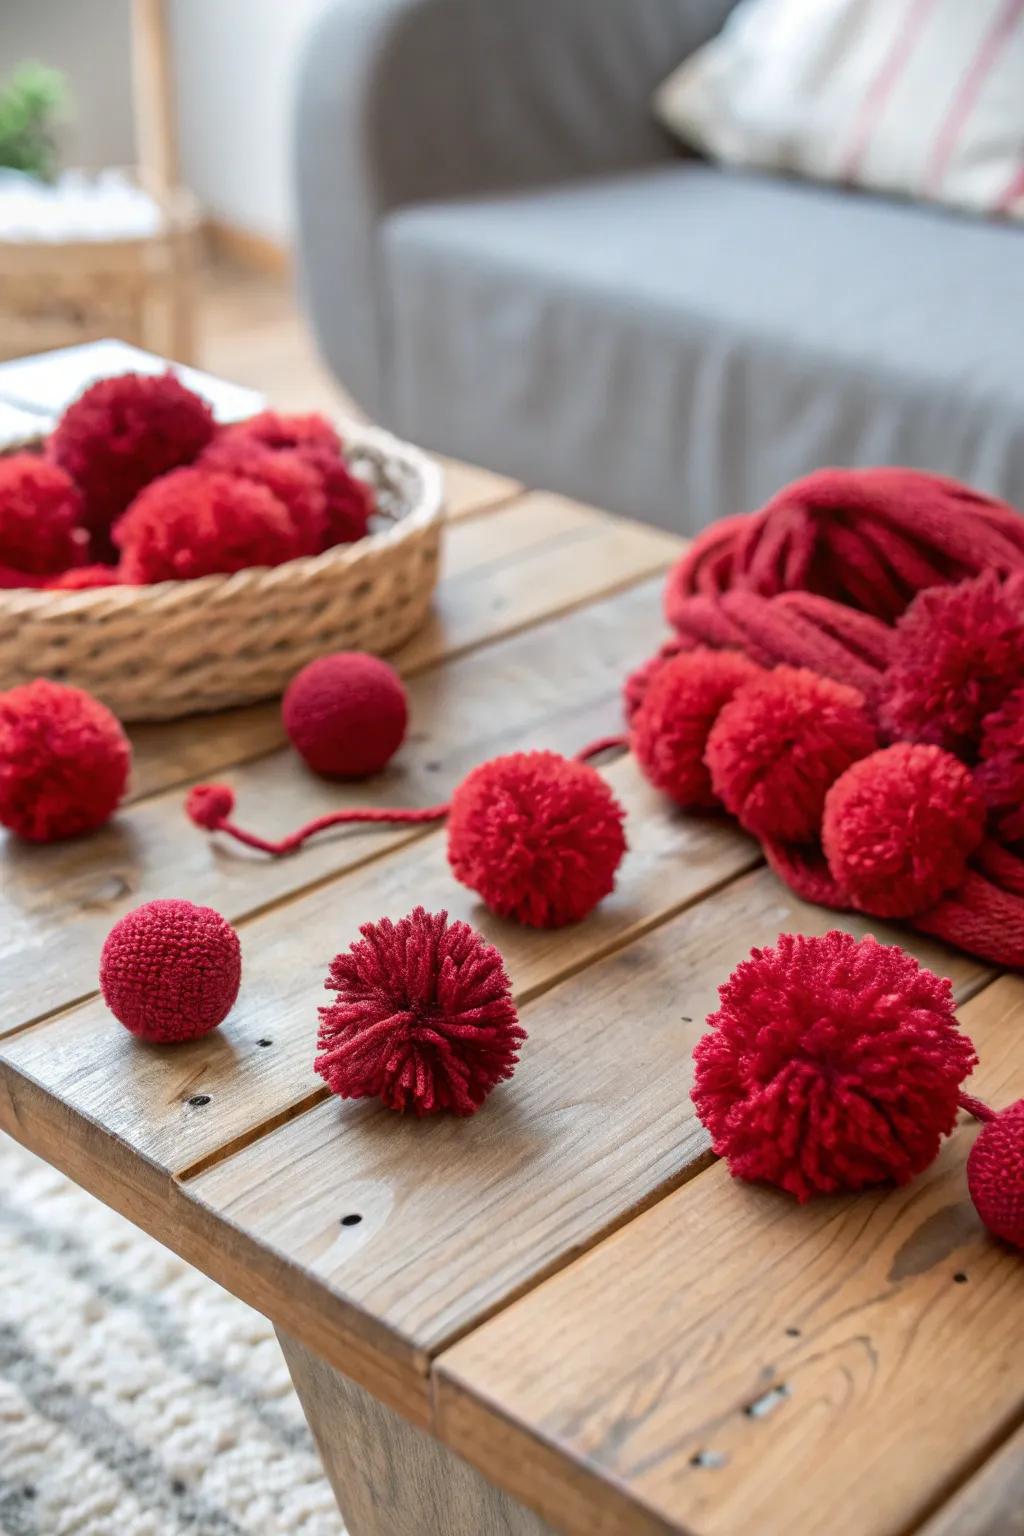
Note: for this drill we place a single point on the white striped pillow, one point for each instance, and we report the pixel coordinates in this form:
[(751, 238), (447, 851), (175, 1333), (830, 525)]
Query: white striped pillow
[(923, 98)]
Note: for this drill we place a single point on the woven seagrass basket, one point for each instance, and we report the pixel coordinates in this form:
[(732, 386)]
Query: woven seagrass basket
[(182, 647)]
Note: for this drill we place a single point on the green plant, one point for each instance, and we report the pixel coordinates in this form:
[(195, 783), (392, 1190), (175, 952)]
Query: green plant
[(31, 105)]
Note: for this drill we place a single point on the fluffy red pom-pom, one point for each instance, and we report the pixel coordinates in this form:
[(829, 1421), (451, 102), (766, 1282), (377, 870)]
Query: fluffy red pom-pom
[(170, 970), (424, 1019), (84, 577), (681, 702), (830, 1065), (634, 689), (196, 523), (899, 827), (957, 653), (64, 761), (348, 501), (538, 837), (40, 517), (346, 714), (1000, 772), (995, 1174), (286, 473), (779, 744), (122, 433)]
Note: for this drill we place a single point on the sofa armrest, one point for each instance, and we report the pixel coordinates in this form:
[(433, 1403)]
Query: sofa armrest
[(405, 100)]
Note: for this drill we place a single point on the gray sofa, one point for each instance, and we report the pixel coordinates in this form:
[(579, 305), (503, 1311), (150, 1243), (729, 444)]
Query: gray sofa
[(506, 260)]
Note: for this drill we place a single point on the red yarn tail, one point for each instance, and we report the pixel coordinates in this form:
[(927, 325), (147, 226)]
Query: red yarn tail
[(210, 805), (980, 918), (975, 1107), (602, 744)]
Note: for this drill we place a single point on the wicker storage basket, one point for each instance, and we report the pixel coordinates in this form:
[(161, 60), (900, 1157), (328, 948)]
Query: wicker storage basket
[(178, 648)]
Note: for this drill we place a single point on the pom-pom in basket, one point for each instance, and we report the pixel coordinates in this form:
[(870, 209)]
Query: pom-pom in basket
[(179, 648)]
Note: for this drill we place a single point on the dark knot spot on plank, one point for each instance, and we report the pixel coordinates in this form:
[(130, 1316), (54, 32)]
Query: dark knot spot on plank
[(351, 1220), (199, 1099)]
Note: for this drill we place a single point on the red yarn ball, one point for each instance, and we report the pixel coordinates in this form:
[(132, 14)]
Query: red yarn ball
[(64, 761), (1000, 772), (195, 523), (780, 743), (995, 1175), (208, 805), (899, 827), (957, 653), (40, 517), (348, 501), (537, 836), (286, 473), (122, 433), (681, 702), (346, 714), (424, 1019), (170, 971), (831, 1064), (84, 578)]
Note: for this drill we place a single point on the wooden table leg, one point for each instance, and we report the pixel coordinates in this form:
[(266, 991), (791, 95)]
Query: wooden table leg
[(389, 1478)]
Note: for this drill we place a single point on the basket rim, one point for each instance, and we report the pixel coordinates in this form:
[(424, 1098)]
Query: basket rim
[(428, 509)]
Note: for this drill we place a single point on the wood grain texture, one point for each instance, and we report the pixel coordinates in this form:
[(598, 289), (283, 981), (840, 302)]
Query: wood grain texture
[(741, 1363), (469, 489), (390, 1478), (259, 1066), (551, 687), (991, 1503)]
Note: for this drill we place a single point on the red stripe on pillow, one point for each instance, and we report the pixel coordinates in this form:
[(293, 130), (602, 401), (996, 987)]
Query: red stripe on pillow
[(882, 86), (1000, 33), (1014, 193)]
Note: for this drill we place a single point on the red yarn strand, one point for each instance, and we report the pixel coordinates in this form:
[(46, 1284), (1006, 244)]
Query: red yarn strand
[(200, 800)]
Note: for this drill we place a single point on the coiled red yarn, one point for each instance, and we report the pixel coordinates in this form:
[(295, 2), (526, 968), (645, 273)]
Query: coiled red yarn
[(424, 1019), (830, 1064)]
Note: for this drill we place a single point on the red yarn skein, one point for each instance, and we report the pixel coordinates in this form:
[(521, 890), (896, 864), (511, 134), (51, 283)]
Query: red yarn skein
[(537, 836), (995, 1172), (680, 704), (1000, 772), (778, 746), (194, 522), (830, 1065), (40, 518), (64, 761), (170, 971), (346, 714), (124, 432), (424, 1019)]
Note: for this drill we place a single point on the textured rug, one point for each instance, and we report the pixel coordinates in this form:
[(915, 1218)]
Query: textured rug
[(136, 1397)]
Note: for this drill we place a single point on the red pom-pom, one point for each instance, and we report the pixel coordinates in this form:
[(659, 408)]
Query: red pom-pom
[(122, 433), (195, 523), (634, 689), (899, 827), (348, 501), (286, 473), (538, 837), (40, 517), (1000, 772), (209, 805), (830, 1065), (995, 1175), (777, 747), (170, 971), (64, 761), (84, 578), (681, 702), (424, 1019), (276, 430), (346, 714), (957, 653)]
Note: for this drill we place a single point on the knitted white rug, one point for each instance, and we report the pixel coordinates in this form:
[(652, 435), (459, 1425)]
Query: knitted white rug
[(136, 1397)]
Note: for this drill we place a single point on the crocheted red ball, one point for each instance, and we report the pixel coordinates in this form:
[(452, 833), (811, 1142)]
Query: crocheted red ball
[(424, 1019), (681, 703), (995, 1175), (346, 714), (291, 478), (40, 517), (84, 577), (538, 837), (779, 744), (1000, 771), (899, 827), (195, 523), (957, 653), (831, 1064), (348, 501), (64, 761), (122, 433), (170, 971)]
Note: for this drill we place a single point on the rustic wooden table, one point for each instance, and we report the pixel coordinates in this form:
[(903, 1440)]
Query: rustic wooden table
[(561, 1314)]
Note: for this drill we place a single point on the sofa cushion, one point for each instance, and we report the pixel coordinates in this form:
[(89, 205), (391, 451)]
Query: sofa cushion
[(677, 342)]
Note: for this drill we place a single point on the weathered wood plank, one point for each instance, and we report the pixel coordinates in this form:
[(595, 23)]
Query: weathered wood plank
[(991, 1503), (468, 489), (738, 1362), (259, 1066), (553, 686)]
